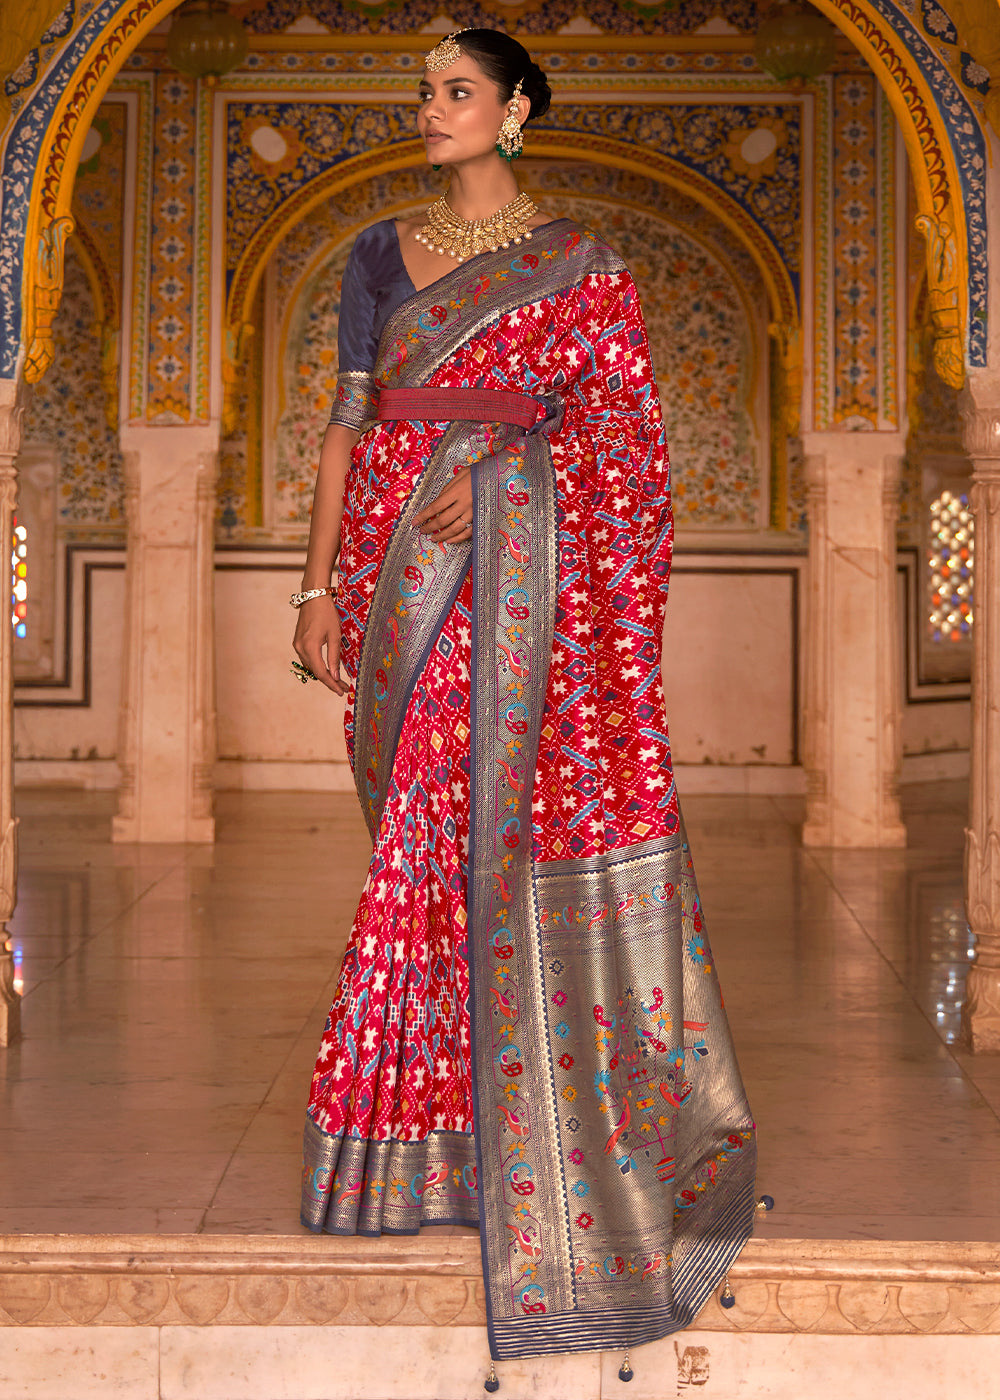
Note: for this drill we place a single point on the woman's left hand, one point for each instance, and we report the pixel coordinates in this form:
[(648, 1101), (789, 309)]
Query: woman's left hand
[(449, 519)]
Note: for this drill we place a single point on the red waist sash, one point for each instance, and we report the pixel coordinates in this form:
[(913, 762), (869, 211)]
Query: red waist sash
[(446, 405)]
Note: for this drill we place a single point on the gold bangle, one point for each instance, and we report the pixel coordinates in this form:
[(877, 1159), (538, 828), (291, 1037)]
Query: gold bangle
[(297, 599)]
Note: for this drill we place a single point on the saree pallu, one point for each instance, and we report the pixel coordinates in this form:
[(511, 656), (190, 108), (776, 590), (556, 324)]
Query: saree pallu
[(510, 751)]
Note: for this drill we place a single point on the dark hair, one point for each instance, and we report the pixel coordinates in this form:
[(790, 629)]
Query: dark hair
[(504, 61)]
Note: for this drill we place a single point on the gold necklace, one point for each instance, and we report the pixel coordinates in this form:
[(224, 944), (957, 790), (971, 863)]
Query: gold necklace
[(447, 232)]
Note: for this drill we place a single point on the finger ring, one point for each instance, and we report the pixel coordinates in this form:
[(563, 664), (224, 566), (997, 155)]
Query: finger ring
[(303, 672)]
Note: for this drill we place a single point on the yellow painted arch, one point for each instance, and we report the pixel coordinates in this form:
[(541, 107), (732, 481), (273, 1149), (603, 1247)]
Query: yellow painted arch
[(941, 210), (49, 219), (935, 174)]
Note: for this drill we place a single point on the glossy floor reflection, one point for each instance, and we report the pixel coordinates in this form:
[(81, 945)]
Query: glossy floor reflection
[(175, 996)]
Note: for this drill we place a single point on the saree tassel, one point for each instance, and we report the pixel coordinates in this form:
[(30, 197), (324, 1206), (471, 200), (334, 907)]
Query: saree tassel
[(492, 1381), (765, 1204), (727, 1297), (625, 1372)]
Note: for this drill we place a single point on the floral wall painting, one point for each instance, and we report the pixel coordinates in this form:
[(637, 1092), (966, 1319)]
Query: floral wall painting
[(67, 410)]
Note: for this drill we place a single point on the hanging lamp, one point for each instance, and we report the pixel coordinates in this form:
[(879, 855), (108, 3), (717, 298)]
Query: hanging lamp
[(205, 40), (794, 41)]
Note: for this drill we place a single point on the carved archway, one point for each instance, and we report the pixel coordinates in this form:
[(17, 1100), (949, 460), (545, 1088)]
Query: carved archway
[(45, 143), (941, 208), (47, 140)]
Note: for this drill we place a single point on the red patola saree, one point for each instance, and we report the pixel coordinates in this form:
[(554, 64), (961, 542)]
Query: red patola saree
[(528, 1033)]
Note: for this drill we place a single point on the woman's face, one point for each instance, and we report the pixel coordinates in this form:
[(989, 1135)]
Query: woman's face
[(460, 113)]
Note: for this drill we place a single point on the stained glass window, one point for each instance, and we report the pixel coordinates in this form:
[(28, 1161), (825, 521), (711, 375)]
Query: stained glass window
[(950, 558), (19, 579)]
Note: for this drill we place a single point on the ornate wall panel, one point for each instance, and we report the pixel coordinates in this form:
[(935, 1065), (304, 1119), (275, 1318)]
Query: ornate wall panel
[(890, 193), (138, 216), (855, 251), (923, 85), (528, 16), (855, 372), (172, 252), (68, 408), (308, 381)]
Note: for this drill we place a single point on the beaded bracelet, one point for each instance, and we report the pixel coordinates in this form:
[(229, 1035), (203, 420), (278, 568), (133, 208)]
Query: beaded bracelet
[(297, 599)]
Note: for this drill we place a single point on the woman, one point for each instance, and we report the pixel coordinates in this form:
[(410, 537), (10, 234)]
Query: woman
[(528, 1033)]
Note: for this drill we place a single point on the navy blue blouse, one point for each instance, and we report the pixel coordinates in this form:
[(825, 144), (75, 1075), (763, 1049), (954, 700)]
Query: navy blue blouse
[(375, 282)]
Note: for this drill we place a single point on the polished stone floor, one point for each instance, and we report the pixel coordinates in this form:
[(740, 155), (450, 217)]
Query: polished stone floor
[(174, 999)]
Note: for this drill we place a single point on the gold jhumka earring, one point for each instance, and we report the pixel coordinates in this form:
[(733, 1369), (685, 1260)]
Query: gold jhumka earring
[(510, 142)]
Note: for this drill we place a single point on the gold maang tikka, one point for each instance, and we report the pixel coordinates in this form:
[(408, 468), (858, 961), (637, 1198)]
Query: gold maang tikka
[(446, 53), (510, 141)]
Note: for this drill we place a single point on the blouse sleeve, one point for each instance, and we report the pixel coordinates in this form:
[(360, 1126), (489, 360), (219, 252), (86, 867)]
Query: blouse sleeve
[(357, 343)]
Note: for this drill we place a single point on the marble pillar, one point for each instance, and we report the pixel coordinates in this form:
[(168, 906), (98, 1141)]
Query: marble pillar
[(12, 403), (852, 683), (980, 406), (167, 731)]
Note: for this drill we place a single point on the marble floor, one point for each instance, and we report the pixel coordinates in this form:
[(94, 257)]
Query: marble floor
[(174, 999)]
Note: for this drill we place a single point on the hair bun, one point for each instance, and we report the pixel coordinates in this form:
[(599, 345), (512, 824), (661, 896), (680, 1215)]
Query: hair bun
[(536, 86)]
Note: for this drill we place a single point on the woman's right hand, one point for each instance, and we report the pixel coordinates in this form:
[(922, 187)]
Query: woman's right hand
[(318, 627)]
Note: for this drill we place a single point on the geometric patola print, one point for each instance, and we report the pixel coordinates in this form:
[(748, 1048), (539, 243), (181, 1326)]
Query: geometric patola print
[(171, 279), (705, 357), (716, 475)]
